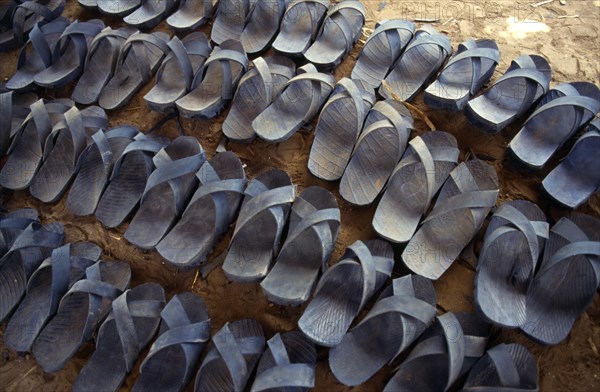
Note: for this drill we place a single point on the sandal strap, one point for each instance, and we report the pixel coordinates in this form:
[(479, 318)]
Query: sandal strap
[(141, 143), (40, 45), (171, 172), (76, 32), (100, 141), (315, 23), (27, 9), (470, 200), (518, 222), (264, 73), (428, 39), (182, 54), (357, 99), (505, 366), (232, 351), (340, 20), (271, 198), (123, 313), (73, 123), (292, 375), (391, 114), (318, 79), (35, 236), (136, 44), (401, 133), (475, 54), (225, 57), (328, 215), (391, 30), (588, 104), (6, 115), (106, 33)]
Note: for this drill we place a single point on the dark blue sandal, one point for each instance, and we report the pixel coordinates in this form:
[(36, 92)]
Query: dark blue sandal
[(45, 289)]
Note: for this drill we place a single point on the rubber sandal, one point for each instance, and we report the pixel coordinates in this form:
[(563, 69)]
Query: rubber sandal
[(566, 280), (27, 252), (512, 244), (289, 362), (376, 153), (461, 207), (214, 85), (128, 180), (25, 16), (80, 312), (167, 191), (421, 60), (127, 330), (209, 213), (184, 330), (230, 19), (464, 75), (14, 109), (118, 7), (62, 149), (561, 113), (262, 25), (149, 13), (256, 91), (340, 123), (344, 290), (425, 165), (176, 73), (299, 26), (27, 147), (381, 51), (235, 351), (45, 288), (94, 167), (139, 58), (36, 53), (445, 352), (69, 53), (339, 31), (104, 50), (313, 230), (257, 235), (408, 305), (574, 180), (297, 105), (522, 85), (12, 225), (505, 367), (190, 15)]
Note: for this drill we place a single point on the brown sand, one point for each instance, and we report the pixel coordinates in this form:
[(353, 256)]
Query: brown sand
[(572, 47)]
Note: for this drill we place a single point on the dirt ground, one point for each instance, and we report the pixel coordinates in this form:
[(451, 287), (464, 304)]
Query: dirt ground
[(567, 35)]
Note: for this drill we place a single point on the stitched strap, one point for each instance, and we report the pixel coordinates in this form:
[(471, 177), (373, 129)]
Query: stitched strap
[(271, 198)]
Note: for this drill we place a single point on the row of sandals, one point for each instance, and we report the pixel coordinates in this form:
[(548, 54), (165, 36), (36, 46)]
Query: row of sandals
[(273, 99), (62, 296)]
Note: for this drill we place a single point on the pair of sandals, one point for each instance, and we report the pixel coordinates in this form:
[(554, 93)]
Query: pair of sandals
[(274, 100), (358, 142), (46, 148), (399, 60), (319, 31), (258, 252), (535, 278), (142, 14), (55, 53), (18, 18)]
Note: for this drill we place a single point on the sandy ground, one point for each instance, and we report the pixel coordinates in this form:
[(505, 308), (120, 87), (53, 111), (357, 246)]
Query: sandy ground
[(567, 35)]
